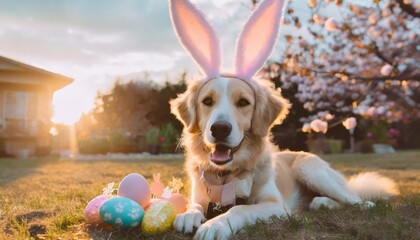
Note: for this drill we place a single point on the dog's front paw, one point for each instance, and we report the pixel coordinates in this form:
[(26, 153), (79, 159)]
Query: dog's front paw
[(217, 228), (367, 204), (187, 221)]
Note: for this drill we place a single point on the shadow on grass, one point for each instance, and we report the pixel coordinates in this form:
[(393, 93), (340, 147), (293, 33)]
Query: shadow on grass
[(12, 169), (107, 232)]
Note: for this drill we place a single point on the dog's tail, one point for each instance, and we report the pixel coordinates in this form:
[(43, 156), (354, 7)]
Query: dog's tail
[(372, 185)]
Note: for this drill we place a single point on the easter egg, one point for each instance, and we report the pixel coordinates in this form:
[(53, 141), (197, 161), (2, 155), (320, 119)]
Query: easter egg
[(121, 212), (135, 186), (154, 201), (92, 209), (179, 202), (158, 218)]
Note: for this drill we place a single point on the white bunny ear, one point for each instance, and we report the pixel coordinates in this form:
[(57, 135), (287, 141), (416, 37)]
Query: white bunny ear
[(258, 37), (197, 36)]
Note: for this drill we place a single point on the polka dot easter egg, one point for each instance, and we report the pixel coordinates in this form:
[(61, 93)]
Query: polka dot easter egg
[(121, 212), (92, 209), (158, 218)]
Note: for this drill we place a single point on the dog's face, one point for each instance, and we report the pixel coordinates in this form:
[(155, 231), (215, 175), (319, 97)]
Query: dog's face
[(225, 108), (226, 120)]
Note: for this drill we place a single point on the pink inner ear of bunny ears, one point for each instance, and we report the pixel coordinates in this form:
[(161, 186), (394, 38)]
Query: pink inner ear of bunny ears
[(197, 36), (257, 39), (254, 45)]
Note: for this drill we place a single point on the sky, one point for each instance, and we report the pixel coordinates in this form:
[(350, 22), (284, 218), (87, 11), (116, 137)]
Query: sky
[(95, 41)]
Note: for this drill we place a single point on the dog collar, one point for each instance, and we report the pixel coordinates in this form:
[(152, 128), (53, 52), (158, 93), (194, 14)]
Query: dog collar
[(222, 191)]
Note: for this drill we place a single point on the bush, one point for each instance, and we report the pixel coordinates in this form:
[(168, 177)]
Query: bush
[(115, 141), (167, 138), (153, 137), (335, 145)]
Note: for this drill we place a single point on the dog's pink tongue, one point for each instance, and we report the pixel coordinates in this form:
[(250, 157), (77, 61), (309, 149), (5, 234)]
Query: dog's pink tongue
[(221, 154)]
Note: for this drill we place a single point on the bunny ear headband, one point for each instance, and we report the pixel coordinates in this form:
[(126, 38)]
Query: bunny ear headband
[(253, 47)]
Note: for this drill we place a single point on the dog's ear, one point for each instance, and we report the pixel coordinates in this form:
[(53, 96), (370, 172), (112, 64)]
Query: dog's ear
[(197, 36), (271, 109), (184, 108)]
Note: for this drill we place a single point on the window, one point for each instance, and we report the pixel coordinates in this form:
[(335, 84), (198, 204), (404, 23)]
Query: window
[(20, 110), (15, 105)]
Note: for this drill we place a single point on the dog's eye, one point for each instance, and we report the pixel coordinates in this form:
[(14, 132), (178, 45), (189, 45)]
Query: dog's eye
[(208, 101), (242, 102)]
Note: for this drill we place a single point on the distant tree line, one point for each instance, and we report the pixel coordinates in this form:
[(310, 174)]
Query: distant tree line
[(130, 111), (136, 114)]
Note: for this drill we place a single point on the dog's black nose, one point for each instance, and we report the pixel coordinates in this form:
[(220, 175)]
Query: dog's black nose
[(220, 130)]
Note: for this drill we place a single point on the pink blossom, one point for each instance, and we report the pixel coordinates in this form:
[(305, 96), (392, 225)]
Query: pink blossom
[(380, 110), (386, 13), (393, 132), (370, 112), (331, 25), (355, 9), (317, 18), (312, 3), (319, 126), (386, 70), (350, 123), (329, 116), (128, 134), (306, 127), (346, 88), (412, 36)]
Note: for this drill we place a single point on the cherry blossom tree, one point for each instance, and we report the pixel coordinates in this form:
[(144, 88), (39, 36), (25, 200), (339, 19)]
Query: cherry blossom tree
[(352, 58)]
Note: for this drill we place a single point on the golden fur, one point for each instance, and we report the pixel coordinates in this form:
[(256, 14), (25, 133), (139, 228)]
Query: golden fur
[(270, 108), (277, 181)]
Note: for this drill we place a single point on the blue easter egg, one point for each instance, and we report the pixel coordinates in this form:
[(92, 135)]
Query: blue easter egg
[(121, 212)]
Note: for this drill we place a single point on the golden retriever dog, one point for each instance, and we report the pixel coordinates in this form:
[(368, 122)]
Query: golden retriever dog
[(237, 175)]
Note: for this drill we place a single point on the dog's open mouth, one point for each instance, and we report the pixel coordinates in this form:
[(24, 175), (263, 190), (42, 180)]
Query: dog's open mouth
[(222, 154)]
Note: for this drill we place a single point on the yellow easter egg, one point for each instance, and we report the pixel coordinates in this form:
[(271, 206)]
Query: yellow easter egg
[(159, 217)]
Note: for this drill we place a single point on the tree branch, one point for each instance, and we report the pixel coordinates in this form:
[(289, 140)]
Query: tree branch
[(407, 77), (379, 54), (408, 8)]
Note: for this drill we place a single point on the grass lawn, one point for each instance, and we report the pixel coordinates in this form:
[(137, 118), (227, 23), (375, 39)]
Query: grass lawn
[(45, 199)]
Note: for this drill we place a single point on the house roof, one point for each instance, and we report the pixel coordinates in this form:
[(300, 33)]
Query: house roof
[(53, 80)]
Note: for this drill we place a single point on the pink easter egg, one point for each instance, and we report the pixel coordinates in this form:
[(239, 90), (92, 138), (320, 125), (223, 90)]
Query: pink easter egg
[(92, 209), (157, 189), (179, 202), (135, 186)]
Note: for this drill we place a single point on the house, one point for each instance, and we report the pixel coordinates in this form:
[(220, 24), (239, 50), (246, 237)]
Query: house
[(25, 107)]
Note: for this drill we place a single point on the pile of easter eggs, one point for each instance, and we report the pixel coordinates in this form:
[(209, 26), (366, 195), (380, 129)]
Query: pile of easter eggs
[(133, 206)]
